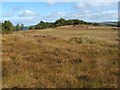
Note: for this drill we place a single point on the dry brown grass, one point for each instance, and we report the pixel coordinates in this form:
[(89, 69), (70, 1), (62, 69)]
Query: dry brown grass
[(89, 59)]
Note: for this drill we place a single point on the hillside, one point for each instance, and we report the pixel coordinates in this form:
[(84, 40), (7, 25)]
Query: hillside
[(108, 23), (72, 57)]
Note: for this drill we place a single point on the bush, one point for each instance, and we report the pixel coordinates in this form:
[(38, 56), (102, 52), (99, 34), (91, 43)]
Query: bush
[(7, 27), (75, 40)]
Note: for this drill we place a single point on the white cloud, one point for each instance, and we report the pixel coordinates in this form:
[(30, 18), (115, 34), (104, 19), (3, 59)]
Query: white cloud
[(110, 15), (59, 13), (104, 0), (25, 20), (88, 15), (59, 0), (17, 8), (8, 15), (55, 14), (94, 4), (81, 5), (26, 13), (50, 2)]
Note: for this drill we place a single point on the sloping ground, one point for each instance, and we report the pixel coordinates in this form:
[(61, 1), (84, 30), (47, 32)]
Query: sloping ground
[(61, 57)]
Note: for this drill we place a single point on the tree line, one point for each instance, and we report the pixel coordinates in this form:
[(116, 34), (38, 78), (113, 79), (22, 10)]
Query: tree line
[(8, 27), (61, 22)]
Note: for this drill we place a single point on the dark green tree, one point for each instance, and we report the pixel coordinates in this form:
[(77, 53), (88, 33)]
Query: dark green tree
[(95, 24), (22, 26), (118, 24), (69, 22), (76, 22), (17, 27), (60, 22), (7, 27)]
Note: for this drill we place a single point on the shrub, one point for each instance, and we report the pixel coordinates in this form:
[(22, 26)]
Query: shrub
[(7, 27)]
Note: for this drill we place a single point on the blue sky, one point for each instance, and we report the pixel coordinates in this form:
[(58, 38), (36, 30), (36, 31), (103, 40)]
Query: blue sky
[(30, 13)]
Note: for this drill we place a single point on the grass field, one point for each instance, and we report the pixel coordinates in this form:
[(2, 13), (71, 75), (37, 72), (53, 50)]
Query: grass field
[(64, 57)]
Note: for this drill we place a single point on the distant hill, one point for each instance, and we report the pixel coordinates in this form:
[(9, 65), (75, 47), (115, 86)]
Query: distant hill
[(108, 23)]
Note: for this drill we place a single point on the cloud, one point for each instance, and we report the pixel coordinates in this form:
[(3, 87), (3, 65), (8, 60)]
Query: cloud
[(25, 20), (50, 2), (26, 13), (96, 4), (109, 15), (81, 5), (87, 15), (17, 8), (96, 10), (104, 0), (59, 13), (55, 14), (59, 0), (8, 15)]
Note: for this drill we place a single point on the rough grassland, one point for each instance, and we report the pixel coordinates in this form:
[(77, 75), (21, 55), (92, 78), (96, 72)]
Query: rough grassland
[(65, 57)]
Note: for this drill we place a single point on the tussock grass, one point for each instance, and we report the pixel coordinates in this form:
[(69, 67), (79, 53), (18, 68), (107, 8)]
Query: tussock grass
[(67, 57)]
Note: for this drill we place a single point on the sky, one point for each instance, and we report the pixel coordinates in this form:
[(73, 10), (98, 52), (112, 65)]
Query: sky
[(31, 13)]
